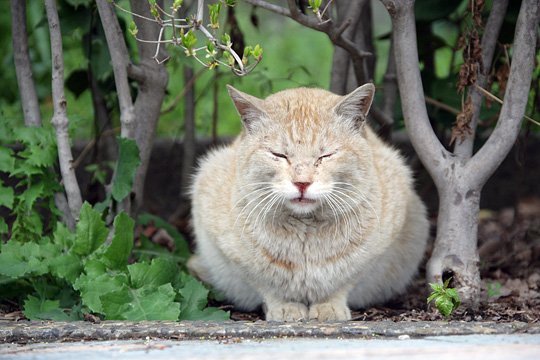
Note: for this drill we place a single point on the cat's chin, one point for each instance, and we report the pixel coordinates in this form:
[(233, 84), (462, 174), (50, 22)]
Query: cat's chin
[(302, 205)]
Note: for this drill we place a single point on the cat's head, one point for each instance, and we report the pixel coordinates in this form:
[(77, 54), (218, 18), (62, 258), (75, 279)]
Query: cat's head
[(303, 149)]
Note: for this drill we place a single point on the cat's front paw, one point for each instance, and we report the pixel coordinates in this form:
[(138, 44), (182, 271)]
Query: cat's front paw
[(329, 312), (287, 312)]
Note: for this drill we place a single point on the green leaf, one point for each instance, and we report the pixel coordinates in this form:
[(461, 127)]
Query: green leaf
[(96, 282), (22, 259), (146, 303), (40, 146), (159, 272), (66, 266), (454, 296), (444, 305), (194, 299), (31, 194), (63, 237), (3, 229), (91, 231), (436, 287), (127, 164), (133, 28), (432, 296), (41, 309), (117, 254), (7, 196), (176, 5), (7, 161)]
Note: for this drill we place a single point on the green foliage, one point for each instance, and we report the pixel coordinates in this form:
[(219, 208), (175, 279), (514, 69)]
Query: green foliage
[(33, 185), (214, 10), (97, 277), (126, 166), (446, 299)]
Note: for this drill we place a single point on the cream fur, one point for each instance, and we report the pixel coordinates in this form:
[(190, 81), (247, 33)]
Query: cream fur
[(356, 241)]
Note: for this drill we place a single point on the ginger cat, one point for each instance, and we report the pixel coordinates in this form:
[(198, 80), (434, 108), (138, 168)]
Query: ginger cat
[(307, 213)]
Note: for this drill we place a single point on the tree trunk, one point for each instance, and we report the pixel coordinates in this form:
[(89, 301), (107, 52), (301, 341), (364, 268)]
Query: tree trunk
[(23, 68), (455, 252), (459, 178), (152, 78)]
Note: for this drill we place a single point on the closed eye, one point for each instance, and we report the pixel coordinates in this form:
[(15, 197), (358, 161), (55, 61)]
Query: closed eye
[(320, 159), (283, 156)]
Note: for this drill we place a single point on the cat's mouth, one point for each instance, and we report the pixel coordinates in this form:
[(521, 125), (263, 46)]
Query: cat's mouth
[(303, 200)]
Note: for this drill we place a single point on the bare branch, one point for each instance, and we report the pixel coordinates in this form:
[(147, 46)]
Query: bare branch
[(120, 62), (431, 152), (341, 59), (60, 120), (23, 68), (335, 34), (270, 7), (488, 158), (464, 148)]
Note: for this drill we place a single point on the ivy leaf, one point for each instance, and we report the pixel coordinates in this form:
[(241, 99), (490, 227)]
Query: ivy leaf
[(159, 272), (117, 253), (91, 231), (146, 303), (194, 299), (127, 164), (41, 309)]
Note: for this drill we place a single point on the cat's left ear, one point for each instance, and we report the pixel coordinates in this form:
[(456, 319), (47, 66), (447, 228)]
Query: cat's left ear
[(355, 106), (249, 107)]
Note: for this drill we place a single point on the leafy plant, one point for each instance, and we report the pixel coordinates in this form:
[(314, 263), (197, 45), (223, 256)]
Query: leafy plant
[(446, 299), (97, 276), (61, 274)]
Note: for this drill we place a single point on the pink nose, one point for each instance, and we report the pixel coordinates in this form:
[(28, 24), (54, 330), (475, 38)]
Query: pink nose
[(302, 186)]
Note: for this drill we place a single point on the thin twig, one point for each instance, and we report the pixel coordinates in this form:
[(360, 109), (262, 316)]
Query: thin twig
[(493, 97), (442, 105), (182, 93)]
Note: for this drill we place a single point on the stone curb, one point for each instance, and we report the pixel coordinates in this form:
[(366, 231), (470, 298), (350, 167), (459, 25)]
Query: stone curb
[(23, 332)]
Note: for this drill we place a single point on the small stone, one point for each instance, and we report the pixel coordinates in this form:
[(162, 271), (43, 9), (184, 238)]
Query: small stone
[(404, 337)]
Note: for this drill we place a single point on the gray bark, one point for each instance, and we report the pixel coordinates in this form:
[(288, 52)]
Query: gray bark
[(139, 118), (60, 119), (120, 63), (152, 78), (23, 68), (458, 180)]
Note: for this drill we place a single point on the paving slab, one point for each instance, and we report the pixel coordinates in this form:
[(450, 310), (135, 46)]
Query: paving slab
[(262, 340), (493, 347)]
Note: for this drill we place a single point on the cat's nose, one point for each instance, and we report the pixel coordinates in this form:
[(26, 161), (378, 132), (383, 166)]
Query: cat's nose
[(302, 186)]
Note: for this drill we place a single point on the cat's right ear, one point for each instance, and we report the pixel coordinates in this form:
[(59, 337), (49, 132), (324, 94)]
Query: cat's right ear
[(249, 107)]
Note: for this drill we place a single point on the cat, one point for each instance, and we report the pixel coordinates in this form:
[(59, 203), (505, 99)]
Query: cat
[(307, 213)]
